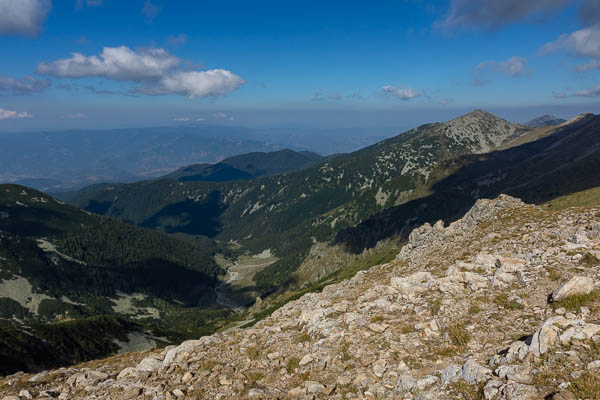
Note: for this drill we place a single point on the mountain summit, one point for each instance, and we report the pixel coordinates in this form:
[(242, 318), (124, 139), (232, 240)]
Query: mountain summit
[(545, 120)]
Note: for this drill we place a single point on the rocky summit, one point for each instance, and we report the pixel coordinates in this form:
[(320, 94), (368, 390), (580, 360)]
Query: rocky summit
[(501, 304)]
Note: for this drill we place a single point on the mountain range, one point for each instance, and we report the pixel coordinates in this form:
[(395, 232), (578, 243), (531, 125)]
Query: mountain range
[(202, 231)]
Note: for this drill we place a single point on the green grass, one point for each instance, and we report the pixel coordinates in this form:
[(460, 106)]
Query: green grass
[(585, 198), (575, 302)]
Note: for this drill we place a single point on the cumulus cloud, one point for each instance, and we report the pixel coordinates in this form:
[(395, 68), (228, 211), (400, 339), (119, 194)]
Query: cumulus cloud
[(584, 42), (181, 119), (9, 114), (158, 71), (120, 63), (593, 92), (74, 116), (402, 93), (194, 84), (220, 115), (589, 12), (591, 65), (495, 13), (444, 101), (27, 85), (23, 17), (514, 66)]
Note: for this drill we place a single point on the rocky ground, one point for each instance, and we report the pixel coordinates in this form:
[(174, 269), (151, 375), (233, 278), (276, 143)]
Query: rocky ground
[(502, 304)]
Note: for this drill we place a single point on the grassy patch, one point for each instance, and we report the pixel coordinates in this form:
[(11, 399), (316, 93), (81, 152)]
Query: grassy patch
[(301, 338), (462, 390), (459, 335), (575, 302), (292, 364), (502, 300), (585, 198), (555, 275), (589, 260), (253, 352), (474, 309), (345, 351)]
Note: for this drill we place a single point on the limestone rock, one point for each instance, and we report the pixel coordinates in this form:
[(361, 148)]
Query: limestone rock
[(576, 285)]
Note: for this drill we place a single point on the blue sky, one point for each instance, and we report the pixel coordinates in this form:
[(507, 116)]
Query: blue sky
[(274, 63)]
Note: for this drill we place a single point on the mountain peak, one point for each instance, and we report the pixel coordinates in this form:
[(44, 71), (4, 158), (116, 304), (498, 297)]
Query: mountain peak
[(481, 131), (544, 120)]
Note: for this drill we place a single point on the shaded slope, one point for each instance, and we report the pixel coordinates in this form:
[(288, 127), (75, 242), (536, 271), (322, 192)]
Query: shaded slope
[(564, 160), (246, 166)]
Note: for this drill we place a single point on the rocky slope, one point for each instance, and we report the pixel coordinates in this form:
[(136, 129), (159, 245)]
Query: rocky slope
[(501, 304)]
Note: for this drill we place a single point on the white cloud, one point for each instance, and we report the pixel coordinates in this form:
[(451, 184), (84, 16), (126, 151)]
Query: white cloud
[(593, 92), (200, 119), (591, 65), (401, 93), (584, 42), (120, 63), (220, 115), (444, 101), (195, 84), (23, 17), (27, 85), (8, 114), (160, 71), (75, 116), (514, 66), (495, 13), (181, 119)]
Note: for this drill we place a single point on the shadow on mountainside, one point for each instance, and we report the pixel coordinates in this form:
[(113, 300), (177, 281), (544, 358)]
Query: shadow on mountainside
[(564, 162), (191, 217)]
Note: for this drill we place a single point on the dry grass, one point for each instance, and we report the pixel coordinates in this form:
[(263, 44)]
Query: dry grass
[(458, 334)]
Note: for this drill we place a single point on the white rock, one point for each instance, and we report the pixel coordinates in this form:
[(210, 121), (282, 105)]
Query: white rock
[(452, 373), (149, 364), (307, 359), (473, 372), (576, 285)]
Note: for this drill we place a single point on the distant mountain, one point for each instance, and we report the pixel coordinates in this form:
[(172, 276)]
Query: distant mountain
[(69, 160), (121, 283), (246, 166), (55, 161), (545, 120), (289, 213), (563, 160)]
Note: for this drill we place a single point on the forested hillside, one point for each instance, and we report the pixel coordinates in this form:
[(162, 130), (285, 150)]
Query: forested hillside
[(58, 263)]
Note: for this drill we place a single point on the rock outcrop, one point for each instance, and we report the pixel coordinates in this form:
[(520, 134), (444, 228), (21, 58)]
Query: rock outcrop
[(497, 305)]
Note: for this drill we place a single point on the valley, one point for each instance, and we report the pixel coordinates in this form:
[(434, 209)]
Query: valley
[(225, 253)]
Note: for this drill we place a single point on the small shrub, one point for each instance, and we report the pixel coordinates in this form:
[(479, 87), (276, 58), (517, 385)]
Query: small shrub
[(474, 309), (589, 260), (303, 337), (253, 352), (292, 364), (464, 391), (587, 386), (345, 351), (377, 318), (459, 335), (554, 274), (435, 305)]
